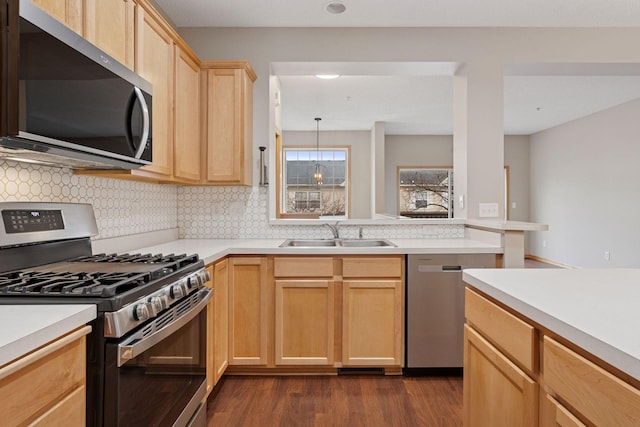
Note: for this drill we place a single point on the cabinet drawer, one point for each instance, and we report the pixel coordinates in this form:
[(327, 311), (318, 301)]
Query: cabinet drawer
[(35, 383), (372, 267), (514, 336), (561, 416), (303, 267), (70, 411), (601, 397)]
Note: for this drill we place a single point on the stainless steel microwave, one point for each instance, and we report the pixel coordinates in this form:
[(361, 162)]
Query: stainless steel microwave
[(64, 101)]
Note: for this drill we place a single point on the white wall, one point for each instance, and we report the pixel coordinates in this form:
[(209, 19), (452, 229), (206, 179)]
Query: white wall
[(516, 156), (584, 184), (359, 141), (482, 52)]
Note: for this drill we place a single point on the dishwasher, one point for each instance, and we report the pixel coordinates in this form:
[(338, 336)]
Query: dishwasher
[(435, 311)]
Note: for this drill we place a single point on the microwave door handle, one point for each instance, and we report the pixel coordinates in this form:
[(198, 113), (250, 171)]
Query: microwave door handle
[(139, 344), (145, 122)]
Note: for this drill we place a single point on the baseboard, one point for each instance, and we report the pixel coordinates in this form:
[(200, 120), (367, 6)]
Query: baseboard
[(548, 261)]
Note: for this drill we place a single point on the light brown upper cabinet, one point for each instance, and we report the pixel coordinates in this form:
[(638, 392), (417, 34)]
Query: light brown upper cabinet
[(110, 25), (228, 128), (186, 147), (69, 12)]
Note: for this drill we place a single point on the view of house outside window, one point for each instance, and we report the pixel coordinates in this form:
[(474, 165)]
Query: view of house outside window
[(301, 193), (425, 192)]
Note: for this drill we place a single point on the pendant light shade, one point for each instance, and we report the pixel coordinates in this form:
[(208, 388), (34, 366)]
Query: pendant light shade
[(317, 176)]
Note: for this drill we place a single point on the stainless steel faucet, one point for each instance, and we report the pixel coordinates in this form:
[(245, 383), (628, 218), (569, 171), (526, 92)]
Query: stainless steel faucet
[(334, 229)]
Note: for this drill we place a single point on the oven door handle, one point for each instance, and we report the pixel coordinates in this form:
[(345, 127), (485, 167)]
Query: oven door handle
[(143, 340)]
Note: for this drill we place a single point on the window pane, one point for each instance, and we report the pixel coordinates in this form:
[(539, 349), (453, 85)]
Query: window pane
[(301, 193), (425, 193)]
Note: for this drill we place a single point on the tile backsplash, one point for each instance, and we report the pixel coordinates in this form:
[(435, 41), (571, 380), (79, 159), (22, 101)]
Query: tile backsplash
[(127, 207), (121, 207), (241, 212)]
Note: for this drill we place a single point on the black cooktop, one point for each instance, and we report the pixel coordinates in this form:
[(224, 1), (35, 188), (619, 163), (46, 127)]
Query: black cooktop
[(119, 278)]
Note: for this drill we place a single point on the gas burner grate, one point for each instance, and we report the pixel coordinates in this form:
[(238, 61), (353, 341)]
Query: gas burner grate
[(182, 259), (70, 284)]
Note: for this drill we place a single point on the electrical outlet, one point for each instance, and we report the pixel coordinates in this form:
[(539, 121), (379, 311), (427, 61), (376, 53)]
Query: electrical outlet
[(544, 243), (607, 256), (488, 210), (513, 205)]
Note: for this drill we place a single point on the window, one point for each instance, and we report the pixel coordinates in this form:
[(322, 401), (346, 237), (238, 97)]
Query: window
[(301, 195), (425, 192)]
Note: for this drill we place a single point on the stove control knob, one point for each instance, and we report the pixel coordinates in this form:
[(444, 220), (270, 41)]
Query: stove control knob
[(205, 276), (141, 312), (159, 303), (177, 291), (194, 281)]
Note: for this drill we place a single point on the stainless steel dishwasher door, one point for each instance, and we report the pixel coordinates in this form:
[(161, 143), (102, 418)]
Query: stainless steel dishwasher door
[(435, 308)]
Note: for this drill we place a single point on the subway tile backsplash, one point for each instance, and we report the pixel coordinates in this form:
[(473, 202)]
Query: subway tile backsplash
[(127, 207)]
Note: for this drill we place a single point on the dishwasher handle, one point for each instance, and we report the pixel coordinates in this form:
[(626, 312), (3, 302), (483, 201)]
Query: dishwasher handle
[(426, 268)]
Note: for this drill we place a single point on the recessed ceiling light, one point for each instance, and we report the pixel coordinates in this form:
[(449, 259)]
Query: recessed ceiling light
[(336, 7), (327, 76)]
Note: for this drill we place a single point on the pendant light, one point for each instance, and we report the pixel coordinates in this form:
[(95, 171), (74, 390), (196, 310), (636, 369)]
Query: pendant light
[(317, 176)]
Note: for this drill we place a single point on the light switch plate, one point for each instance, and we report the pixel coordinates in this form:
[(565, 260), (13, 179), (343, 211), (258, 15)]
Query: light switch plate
[(488, 210)]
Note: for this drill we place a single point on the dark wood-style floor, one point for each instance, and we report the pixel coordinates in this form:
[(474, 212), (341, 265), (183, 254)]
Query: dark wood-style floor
[(352, 401)]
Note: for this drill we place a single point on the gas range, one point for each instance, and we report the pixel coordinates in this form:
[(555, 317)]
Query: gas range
[(151, 323)]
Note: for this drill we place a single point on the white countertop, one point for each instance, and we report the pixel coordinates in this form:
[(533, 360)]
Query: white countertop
[(212, 249), (597, 309), (501, 225), (27, 327)]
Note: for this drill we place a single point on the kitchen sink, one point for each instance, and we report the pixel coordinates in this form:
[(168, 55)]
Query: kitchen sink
[(308, 243), (364, 243), (346, 243)]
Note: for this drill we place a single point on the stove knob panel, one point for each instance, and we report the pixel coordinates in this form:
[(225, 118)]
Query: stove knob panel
[(141, 312)]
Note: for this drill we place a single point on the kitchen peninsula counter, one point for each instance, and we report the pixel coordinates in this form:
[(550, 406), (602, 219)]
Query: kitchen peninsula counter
[(212, 249), (595, 309)]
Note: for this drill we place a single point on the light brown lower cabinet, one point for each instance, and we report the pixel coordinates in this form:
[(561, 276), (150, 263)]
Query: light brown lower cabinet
[(304, 322), (249, 309), (520, 374), (496, 392), (221, 318), (372, 322), (47, 387)]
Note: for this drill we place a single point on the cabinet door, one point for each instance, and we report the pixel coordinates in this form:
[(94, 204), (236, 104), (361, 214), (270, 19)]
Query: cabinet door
[(372, 323), (211, 332), (187, 118), (154, 62), (221, 320), (248, 305), (304, 322), (496, 391), (109, 24), (68, 12), (229, 127)]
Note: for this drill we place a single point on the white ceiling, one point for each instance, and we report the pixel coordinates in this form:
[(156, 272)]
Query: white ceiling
[(404, 13), (416, 98)]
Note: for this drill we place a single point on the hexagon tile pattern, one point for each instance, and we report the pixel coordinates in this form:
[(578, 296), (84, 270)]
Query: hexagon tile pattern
[(127, 207), (242, 212), (121, 207)]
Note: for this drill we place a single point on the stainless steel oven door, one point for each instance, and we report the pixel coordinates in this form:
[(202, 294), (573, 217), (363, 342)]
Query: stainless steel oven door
[(156, 376)]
